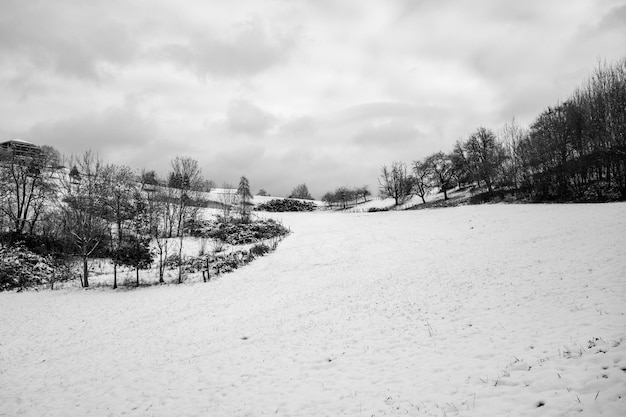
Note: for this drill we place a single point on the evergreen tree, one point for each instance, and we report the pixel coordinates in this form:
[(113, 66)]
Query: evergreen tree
[(245, 199)]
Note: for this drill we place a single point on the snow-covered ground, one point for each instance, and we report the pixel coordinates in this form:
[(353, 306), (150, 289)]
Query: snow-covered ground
[(489, 310)]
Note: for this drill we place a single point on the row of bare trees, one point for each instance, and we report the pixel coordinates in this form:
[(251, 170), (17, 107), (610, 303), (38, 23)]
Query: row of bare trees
[(577, 149), (574, 151), (87, 208), (26, 185), (345, 196)]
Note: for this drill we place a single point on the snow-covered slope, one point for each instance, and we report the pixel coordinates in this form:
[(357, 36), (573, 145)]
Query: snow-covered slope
[(478, 310)]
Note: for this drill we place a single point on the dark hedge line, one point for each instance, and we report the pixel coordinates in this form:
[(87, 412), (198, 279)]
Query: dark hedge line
[(278, 205), (238, 233)]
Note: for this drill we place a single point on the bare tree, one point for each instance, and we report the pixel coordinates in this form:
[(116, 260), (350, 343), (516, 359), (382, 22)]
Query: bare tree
[(512, 135), (185, 178), (228, 199), (362, 192), (119, 208), (461, 170), (344, 195), (440, 167), (422, 183), (158, 206), (395, 182), (27, 185), (206, 185), (329, 198), (84, 208), (485, 155), (302, 192)]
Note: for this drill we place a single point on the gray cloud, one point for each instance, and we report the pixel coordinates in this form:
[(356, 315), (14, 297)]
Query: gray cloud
[(609, 29), (247, 49), (299, 126), (25, 85), (247, 118), (376, 110), (60, 37), (118, 134), (389, 134), (614, 19), (385, 110)]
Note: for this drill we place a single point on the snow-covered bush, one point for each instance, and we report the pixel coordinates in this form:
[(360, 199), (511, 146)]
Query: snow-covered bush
[(172, 261), (238, 233), (21, 268), (279, 205)]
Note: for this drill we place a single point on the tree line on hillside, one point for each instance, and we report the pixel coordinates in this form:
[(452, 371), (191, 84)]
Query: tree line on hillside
[(344, 197), (573, 151), (81, 208), (300, 191)]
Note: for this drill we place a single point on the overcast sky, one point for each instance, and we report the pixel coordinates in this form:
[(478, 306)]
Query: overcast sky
[(289, 91)]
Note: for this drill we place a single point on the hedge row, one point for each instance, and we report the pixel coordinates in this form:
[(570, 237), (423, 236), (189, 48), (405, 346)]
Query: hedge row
[(221, 262), (238, 233), (278, 205)]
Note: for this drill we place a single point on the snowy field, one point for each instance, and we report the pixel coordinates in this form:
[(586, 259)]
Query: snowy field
[(481, 310)]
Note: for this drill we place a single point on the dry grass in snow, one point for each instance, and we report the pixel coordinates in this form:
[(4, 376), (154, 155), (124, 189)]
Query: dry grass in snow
[(479, 310)]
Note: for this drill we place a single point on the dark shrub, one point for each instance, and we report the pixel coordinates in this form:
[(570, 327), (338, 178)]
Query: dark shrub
[(281, 205), (260, 249), (377, 209), (21, 268), (238, 233)]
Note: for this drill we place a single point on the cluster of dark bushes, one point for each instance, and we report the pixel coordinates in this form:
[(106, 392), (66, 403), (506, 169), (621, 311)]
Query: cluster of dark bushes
[(236, 232), (377, 209), (279, 205), (22, 268), (221, 262)]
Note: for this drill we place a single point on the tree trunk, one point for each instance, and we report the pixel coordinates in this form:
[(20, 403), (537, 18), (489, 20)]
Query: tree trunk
[(137, 272), (180, 261), (114, 275), (85, 273), (161, 266)]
